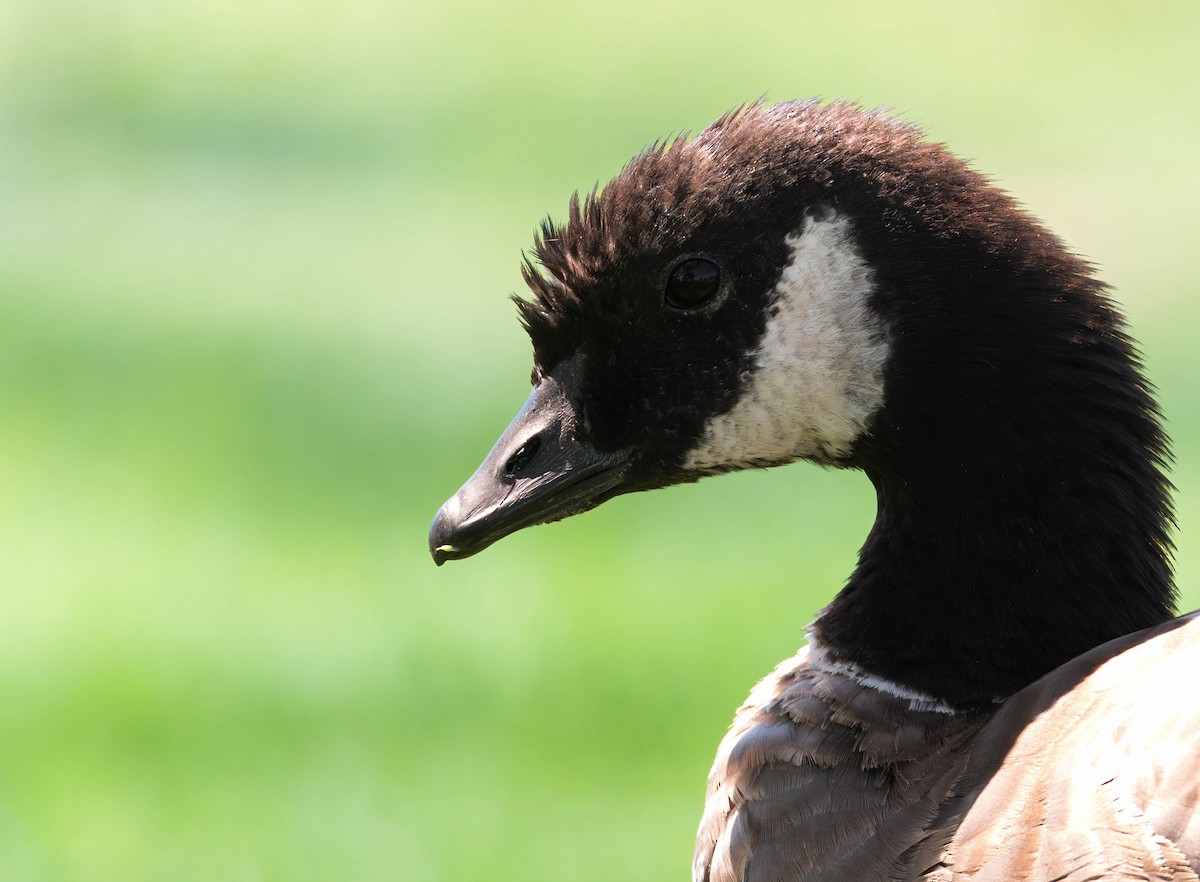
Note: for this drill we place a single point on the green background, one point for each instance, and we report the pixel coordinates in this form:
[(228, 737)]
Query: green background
[(254, 260)]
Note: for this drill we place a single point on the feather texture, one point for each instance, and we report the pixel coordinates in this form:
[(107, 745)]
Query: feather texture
[(1091, 773)]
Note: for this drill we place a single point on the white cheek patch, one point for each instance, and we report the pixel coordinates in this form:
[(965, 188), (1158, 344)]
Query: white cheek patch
[(818, 372)]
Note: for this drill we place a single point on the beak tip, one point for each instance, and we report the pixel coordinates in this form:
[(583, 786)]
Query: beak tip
[(443, 553), (440, 532)]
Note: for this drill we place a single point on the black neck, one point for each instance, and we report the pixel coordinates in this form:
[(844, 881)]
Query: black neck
[(1023, 513)]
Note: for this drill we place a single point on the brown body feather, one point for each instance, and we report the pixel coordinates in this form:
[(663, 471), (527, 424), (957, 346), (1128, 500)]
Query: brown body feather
[(1091, 773)]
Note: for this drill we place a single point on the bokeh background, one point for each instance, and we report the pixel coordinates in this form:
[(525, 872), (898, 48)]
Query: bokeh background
[(254, 261)]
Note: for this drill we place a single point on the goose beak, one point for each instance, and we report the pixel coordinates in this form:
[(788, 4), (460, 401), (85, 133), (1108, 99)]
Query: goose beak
[(539, 471)]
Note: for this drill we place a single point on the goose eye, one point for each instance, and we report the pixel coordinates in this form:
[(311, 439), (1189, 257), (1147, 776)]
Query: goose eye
[(693, 284)]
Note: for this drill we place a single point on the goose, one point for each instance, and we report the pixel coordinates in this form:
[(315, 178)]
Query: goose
[(1000, 690)]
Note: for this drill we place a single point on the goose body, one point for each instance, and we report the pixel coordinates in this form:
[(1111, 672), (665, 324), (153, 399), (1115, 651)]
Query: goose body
[(1087, 774), (1000, 691)]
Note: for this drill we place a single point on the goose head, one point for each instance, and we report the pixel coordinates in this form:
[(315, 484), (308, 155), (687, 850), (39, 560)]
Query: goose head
[(706, 312), (807, 281)]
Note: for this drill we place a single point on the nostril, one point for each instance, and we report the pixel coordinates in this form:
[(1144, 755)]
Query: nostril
[(519, 460)]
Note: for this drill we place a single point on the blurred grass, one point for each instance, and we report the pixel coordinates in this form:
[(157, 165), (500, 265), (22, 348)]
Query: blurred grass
[(253, 331)]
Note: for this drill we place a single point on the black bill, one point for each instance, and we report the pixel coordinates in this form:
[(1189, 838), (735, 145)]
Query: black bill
[(539, 471)]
